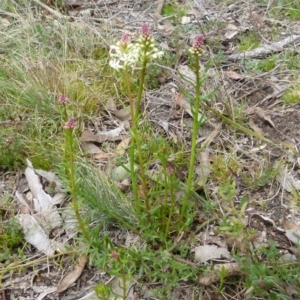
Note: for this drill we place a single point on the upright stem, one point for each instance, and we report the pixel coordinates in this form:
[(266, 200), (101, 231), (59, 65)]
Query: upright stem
[(140, 91), (196, 125), (132, 147), (72, 183), (127, 78), (66, 154), (163, 209), (143, 176), (124, 283), (171, 210), (137, 138)]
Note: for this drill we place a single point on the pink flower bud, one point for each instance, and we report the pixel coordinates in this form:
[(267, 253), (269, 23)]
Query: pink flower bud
[(114, 255), (63, 99), (198, 44), (70, 124), (125, 39), (170, 170), (146, 31)]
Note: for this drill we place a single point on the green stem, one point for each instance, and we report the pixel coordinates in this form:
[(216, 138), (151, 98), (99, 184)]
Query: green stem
[(66, 153), (124, 283), (132, 147), (65, 113), (137, 139), (196, 125), (127, 78), (73, 185), (143, 176), (172, 206), (163, 208), (140, 92)]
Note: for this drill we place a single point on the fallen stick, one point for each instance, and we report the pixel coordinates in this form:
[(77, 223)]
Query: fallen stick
[(265, 50)]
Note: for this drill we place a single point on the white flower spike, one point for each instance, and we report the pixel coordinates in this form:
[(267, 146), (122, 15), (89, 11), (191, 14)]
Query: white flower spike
[(123, 54)]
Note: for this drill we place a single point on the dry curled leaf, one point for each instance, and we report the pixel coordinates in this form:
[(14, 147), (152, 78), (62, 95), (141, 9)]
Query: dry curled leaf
[(103, 156), (255, 128), (255, 214), (90, 148), (35, 234), (111, 105), (207, 252), (292, 231), (290, 225), (120, 150), (231, 31), (233, 75), (287, 180), (73, 275), (261, 113), (122, 114), (213, 275), (43, 202), (88, 136)]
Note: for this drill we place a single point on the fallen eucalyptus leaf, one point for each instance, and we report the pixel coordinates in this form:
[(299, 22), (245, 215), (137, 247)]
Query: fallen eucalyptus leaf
[(35, 234), (88, 136), (90, 148), (292, 231), (207, 252), (43, 202), (287, 180), (120, 150), (123, 114), (213, 274), (73, 275)]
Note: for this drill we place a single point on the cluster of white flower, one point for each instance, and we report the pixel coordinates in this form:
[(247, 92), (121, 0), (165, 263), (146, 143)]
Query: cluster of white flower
[(146, 45), (123, 54), (126, 54), (147, 50)]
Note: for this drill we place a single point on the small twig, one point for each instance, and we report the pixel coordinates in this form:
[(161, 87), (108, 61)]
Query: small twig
[(176, 242), (184, 261), (157, 13), (50, 10)]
